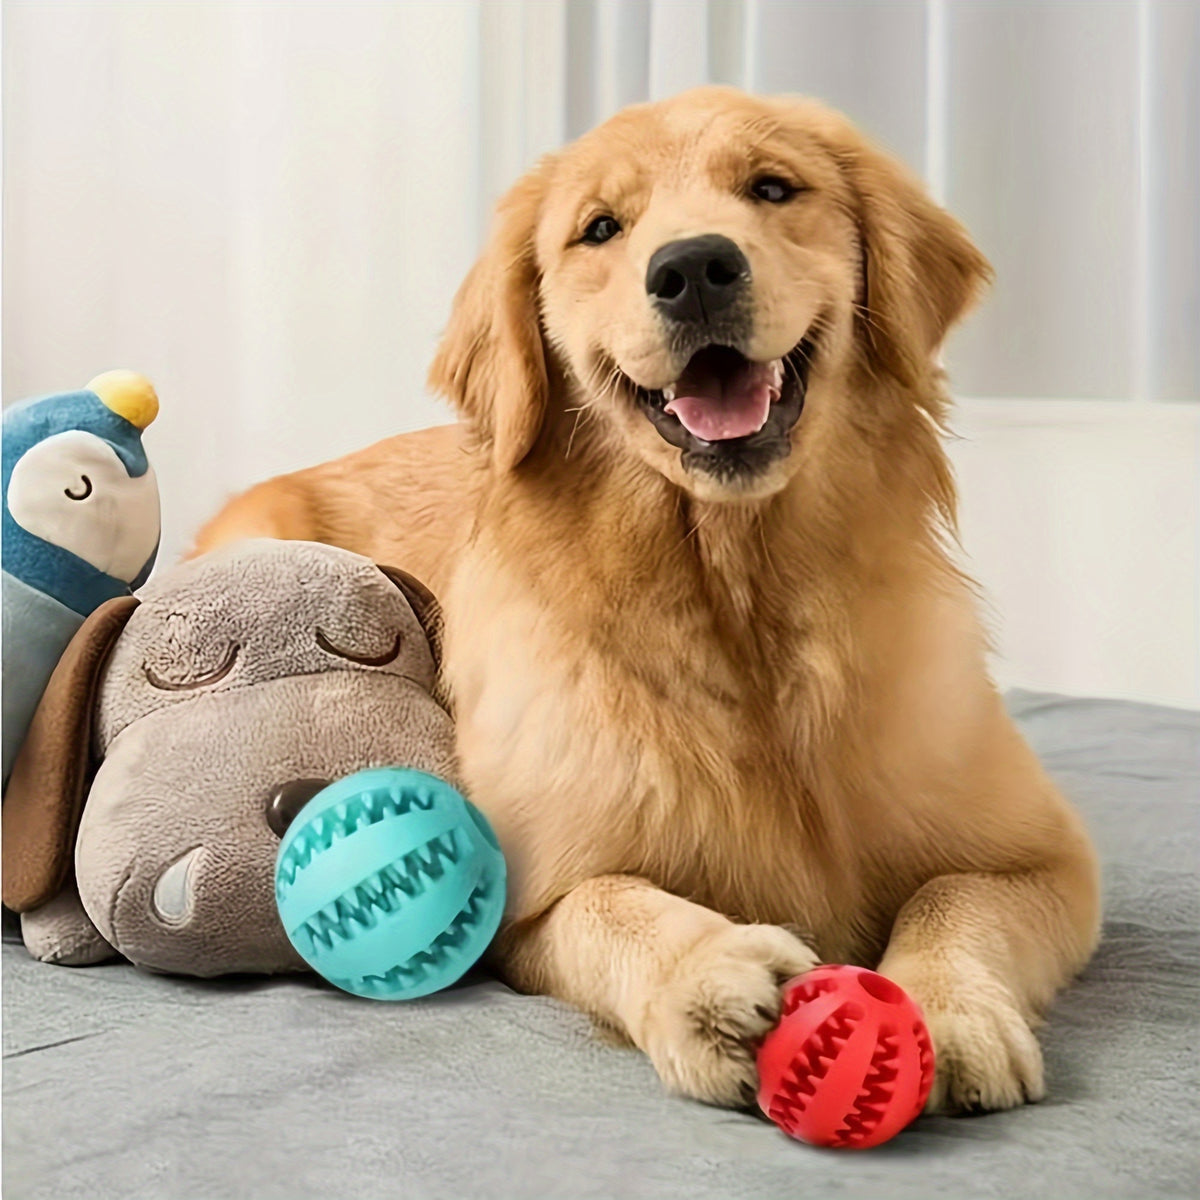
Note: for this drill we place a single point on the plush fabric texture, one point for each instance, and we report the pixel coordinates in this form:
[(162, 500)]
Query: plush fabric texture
[(123, 1084), (228, 753), (263, 663), (36, 630), (269, 600), (61, 932)]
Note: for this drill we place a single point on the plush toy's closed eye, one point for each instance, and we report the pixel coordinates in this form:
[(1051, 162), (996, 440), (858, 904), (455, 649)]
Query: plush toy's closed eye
[(186, 685), (365, 660), (425, 607)]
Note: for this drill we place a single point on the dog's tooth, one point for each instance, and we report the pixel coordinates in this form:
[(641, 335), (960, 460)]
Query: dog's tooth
[(669, 393)]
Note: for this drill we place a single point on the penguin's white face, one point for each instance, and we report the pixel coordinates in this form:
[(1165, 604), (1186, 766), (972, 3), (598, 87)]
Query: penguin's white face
[(73, 491)]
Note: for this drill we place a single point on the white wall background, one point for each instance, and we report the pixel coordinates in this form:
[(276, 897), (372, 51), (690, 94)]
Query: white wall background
[(266, 207)]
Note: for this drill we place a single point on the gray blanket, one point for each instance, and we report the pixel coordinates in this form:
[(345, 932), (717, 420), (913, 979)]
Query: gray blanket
[(123, 1084)]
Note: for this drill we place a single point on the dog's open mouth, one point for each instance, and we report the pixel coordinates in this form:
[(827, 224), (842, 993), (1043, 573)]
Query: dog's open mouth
[(729, 415)]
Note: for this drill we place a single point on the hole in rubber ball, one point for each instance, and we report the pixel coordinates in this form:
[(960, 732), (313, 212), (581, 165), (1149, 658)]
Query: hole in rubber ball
[(881, 988)]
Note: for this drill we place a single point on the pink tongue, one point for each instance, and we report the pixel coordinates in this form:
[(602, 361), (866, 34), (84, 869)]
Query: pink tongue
[(715, 409)]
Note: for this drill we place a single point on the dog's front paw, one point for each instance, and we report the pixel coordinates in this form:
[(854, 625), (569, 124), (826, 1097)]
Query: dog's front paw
[(987, 1059), (704, 1022), (987, 1056)]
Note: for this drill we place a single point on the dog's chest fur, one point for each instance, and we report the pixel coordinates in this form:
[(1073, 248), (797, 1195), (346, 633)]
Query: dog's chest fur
[(668, 730)]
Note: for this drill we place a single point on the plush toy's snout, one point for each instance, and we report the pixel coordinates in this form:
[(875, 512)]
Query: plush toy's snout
[(191, 774)]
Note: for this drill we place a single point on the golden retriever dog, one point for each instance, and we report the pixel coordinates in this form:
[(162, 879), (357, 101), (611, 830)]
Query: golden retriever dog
[(718, 681)]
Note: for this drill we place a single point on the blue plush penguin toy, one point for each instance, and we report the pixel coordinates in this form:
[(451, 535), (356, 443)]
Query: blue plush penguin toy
[(81, 525)]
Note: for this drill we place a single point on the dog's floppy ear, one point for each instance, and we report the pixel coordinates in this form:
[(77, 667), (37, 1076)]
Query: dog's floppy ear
[(921, 271), (46, 792), (491, 362)]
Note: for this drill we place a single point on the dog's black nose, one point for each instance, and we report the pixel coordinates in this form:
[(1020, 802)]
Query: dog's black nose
[(696, 279), (287, 800)]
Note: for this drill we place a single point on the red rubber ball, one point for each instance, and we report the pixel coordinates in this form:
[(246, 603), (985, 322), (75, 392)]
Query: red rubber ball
[(850, 1063)]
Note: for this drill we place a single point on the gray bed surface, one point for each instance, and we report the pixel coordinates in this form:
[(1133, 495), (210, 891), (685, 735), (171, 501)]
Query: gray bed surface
[(122, 1084)]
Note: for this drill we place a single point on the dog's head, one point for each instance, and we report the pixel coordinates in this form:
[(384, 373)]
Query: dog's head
[(707, 274)]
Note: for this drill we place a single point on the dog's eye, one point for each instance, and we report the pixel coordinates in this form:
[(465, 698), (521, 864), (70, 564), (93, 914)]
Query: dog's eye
[(601, 230), (772, 189)]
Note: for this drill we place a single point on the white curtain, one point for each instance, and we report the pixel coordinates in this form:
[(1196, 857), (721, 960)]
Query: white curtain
[(263, 207), (266, 207)]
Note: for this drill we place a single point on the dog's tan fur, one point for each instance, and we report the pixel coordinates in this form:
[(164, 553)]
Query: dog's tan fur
[(696, 711)]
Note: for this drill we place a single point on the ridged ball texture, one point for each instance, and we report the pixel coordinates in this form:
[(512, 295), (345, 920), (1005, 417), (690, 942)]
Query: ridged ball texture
[(390, 884), (850, 1063)]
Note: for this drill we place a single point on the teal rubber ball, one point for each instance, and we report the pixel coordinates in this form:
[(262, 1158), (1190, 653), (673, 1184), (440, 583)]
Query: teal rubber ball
[(390, 884)]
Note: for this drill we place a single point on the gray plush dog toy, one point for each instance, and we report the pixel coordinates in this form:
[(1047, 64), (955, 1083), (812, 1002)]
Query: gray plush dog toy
[(182, 731)]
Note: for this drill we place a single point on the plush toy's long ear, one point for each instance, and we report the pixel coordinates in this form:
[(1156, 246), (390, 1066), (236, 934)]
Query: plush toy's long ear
[(429, 613), (424, 605), (46, 791), (491, 362), (921, 271)]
